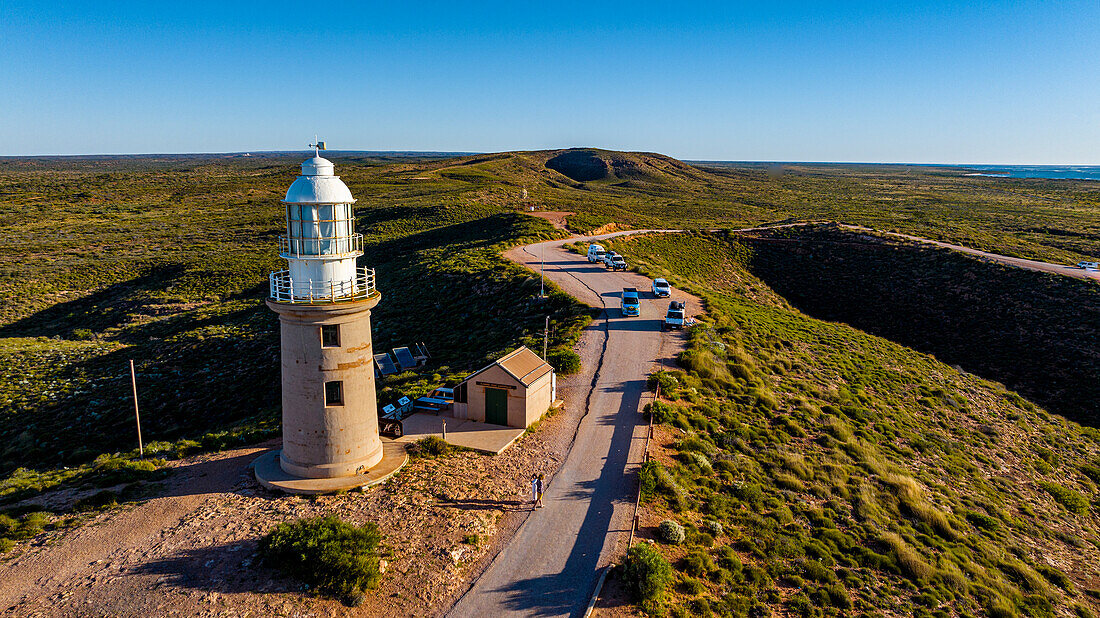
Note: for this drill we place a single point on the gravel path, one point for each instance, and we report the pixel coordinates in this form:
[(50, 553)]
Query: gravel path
[(550, 567)]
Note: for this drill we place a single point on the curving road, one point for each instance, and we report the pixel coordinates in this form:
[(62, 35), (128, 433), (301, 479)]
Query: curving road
[(551, 565)]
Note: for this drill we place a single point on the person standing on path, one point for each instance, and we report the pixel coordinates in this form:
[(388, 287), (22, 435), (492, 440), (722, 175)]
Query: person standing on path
[(534, 491), (539, 488)]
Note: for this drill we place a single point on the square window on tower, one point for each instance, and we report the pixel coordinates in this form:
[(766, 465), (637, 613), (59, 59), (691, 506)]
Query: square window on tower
[(334, 393), (330, 336)]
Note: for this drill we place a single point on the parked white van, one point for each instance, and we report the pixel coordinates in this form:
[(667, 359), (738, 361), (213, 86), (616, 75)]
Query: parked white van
[(596, 253)]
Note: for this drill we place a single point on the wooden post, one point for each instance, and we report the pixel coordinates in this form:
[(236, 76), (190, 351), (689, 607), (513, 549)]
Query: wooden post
[(137, 416)]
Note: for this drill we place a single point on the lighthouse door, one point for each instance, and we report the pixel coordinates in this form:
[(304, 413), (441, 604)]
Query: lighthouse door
[(496, 406)]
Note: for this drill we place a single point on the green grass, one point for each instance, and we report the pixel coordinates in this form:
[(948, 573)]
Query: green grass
[(1037, 333), (869, 474), (166, 261)]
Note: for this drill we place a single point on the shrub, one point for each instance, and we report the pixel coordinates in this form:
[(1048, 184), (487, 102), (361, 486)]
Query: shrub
[(698, 563), (838, 596), (692, 443), (1073, 501), (663, 413), (32, 524), (911, 562), (99, 500), (8, 525), (431, 446), (6, 545), (1091, 471), (662, 483), (335, 557), (982, 521), (646, 572), (700, 461), (1056, 577), (729, 559), (647, 479), (671, 532), (911, 495), (818, 572), (801, 605), (564, 361), (713, 527)]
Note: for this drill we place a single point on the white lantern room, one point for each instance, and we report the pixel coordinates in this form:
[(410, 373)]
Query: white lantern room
[(320, 244)]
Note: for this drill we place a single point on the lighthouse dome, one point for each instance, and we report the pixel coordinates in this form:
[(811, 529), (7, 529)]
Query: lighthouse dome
[(318, 185)]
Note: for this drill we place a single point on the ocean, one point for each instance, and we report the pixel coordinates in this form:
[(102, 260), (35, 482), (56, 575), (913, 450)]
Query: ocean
[(1074, 172)]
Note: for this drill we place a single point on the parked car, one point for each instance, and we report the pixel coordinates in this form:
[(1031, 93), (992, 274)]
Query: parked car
[(608, 257), (1089, 265), (439, 399), (675, 317), (618, 262), (661, 288), (631, 302), (596, 253)]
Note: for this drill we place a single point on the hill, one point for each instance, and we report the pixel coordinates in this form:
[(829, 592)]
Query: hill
[(821, 470)]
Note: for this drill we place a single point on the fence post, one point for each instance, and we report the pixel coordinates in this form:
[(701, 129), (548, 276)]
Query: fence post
[(137, 416)]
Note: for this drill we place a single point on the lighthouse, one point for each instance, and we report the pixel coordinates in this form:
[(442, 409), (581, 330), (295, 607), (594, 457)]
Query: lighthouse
[(324, 301)]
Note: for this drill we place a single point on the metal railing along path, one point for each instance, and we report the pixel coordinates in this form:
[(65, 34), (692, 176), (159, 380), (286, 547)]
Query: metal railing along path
[(284, 289)]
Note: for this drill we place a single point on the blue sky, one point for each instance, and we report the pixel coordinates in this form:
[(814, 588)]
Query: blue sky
[(938, 82)]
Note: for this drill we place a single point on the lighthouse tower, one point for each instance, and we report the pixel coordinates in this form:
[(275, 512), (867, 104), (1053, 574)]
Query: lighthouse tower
[(323, 298)]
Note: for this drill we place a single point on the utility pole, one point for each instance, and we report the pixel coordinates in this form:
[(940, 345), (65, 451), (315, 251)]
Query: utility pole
[(545, 337), (137, 416)]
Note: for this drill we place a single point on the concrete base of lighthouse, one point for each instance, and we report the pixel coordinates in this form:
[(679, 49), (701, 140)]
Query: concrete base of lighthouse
[(271, 475)]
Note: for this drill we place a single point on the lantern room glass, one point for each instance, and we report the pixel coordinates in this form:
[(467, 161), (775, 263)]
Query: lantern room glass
[(324, 229)]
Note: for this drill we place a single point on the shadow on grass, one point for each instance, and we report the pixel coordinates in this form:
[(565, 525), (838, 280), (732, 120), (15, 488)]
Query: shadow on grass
[(1037, 333), (109, 307)]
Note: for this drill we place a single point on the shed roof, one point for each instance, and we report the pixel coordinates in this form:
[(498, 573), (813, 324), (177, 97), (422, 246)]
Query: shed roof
[(522, 364)]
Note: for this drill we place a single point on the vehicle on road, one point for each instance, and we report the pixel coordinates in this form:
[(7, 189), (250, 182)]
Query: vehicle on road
[(618, 262), (596, 253), (631, 303), (675, 317), (607, 257), (1089, 265), (661, 288)]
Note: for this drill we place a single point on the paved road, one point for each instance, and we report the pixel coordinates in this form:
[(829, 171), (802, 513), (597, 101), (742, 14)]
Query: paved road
[(550, 567)]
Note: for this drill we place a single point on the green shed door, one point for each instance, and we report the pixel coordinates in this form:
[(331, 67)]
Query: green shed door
[(496, 406)]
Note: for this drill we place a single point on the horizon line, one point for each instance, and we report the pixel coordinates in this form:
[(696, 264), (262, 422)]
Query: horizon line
[(460, 153)]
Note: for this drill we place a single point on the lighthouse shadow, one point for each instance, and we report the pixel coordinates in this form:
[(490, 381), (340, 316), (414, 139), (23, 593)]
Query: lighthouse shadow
[(478, 504)]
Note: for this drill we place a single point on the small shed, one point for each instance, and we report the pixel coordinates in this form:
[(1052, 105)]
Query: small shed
[(513, 391)]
